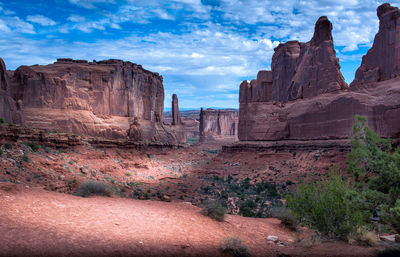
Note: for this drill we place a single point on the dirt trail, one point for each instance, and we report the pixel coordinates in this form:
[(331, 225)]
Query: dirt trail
[(35, 222)]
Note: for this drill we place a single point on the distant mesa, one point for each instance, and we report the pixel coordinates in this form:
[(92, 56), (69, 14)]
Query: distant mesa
[(304, 96), (218, 125), (111, 99)]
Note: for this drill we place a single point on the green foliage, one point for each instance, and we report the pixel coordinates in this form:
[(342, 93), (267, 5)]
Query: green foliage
[(327, 206), (247, 208), (34, 146), (26, 158), (286, 216), (1, 121), (8, 146), (214, 210), (371, 161), (234, 245), (92, 187), (394, 215)]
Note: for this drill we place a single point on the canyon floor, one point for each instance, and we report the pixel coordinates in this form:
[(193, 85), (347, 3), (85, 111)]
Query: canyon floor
[(154, 209)]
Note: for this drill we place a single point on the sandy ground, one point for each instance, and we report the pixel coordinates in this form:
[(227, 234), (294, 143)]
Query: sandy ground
[(35, 222)]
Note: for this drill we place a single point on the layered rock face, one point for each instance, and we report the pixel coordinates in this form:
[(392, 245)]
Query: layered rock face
[(221, 125), (382, 62), (112, 99), (299, 70), (317, 104), (10, 110)]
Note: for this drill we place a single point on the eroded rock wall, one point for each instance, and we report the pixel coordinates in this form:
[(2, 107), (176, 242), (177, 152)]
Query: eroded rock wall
[(382, 61), (317, 103), (219, 125), (112, 99), (10, 110)]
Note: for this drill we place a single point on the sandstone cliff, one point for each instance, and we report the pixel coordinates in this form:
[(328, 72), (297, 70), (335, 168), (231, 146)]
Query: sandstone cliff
[(176, 116), (10, 110), (112, 99), (322, 105), (218, 125), (382, 62), (299, 70)]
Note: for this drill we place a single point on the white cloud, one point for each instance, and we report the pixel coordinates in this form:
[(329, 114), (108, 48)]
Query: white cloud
[(40, 19), (76, 18), (90, 4)]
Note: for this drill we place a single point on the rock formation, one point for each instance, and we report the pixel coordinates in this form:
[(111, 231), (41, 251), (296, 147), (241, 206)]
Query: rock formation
[(317, 104), (218, 125), (176, 116), (10, 110), (318, 69), (112, 99), (382, 62), (299, 70)]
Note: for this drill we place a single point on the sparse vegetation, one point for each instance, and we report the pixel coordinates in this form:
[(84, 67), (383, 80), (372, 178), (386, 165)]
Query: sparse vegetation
[(92, 187), (286, 216), (235, 246), (8, 146), (26, 158), (214, 210), (34, 146)]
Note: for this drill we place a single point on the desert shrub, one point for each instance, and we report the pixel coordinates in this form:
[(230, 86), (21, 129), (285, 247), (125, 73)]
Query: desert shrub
[(34, 146), (371, 161), (8, 146), (26, 158), (286, 216), (234, 245), (393, 216), (364, 237), (214, 210), (1, 152), (1, 121), (92, 187), (327, 206), (247, 208)]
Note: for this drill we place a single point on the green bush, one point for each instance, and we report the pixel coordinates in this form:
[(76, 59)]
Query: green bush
[(26, 158), (34, 146), (1, 121), (234, 246), (327, 206), (371, 161), (247, 208), (92, 187), (214, 210), (8, 146), (286, 216), (394, 216)]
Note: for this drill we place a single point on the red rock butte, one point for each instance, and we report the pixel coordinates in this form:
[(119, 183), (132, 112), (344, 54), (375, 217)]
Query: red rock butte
[(110, 99), (305, 97)]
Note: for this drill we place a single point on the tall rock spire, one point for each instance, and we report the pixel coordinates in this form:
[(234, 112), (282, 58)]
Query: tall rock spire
[(176, 116), (382, 61), (318, 69)]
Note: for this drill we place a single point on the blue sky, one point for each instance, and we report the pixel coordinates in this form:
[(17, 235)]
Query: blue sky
[(203, 48)]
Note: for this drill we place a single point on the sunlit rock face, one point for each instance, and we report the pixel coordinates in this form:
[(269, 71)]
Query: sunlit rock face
[(218, 125), (309, 98), (382, 61), (112, 99)]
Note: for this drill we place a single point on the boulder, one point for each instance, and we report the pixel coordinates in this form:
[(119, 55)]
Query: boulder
[(382, 61)]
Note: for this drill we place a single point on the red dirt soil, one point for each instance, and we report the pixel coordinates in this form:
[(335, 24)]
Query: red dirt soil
[(35, 222)]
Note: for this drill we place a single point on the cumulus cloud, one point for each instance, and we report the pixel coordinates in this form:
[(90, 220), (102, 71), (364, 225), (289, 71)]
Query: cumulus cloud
[(40, 19)]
